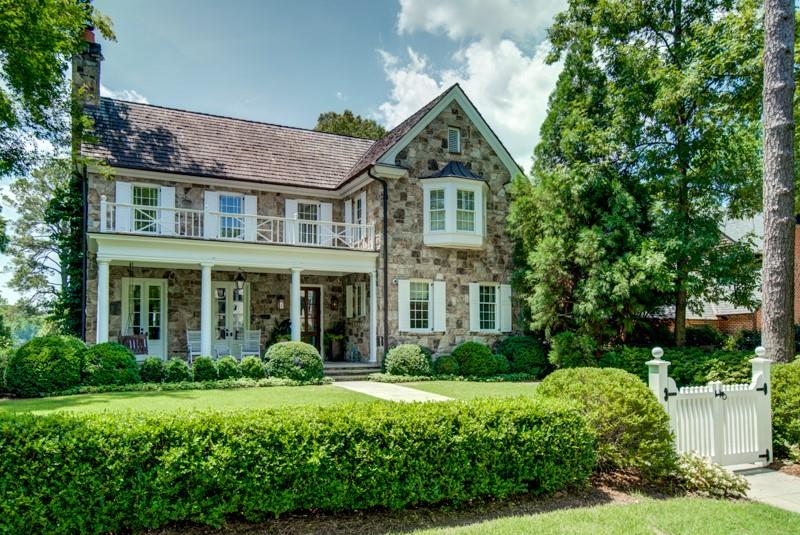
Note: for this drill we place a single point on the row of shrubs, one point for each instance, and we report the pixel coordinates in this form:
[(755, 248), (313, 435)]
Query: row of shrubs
[(523, 355), (54, 364)]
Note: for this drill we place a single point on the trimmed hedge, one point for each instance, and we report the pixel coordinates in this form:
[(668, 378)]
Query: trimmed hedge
[(152, 370), (110, 363), (253, 368), (475, 359), (786, 408), (294, 360), (204, 369), (526, 354), (228, 368), (446, 365), (219, 384), (407, 359), (132, 471), (46, 364), (177, 370), (631, 426)]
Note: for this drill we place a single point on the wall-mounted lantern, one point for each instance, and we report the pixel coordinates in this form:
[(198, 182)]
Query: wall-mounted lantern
[(240, 280), (281, 302)]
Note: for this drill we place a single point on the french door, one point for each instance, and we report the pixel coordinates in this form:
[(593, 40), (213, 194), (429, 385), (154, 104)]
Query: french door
[(231, 308), (310, 316), (144, 312)]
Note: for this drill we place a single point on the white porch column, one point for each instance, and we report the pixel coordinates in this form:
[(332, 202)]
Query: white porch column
[(102, 301), (205, 309), (294, 304), (373, 316)]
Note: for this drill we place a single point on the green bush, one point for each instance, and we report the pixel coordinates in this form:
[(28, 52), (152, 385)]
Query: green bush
[(228, 368), (697, 475), (407, 359), (572, 350), (747, 339), (526, 355), (110, 363), (205, 369), (446, 365), (501, 365), (475, 359), (3, 366), (294, 360), (253, 368), (152, 370), (45, 364), (704, 336), (176, 370), (133, 472), (631, 426), (786, 407)]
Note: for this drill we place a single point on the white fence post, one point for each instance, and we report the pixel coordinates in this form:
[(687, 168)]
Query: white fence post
[(762, 382), (657, 376)]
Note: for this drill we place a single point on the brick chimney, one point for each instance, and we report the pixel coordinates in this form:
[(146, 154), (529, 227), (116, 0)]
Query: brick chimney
[(86, 70)]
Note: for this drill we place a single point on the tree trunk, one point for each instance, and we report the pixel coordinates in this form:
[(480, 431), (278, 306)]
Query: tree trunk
[(680, 316), (779, 222)]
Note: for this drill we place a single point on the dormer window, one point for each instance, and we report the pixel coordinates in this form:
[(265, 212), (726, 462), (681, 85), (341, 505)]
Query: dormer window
[(453, 140)]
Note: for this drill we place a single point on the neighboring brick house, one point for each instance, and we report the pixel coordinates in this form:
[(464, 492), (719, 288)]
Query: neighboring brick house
[(205, 227)]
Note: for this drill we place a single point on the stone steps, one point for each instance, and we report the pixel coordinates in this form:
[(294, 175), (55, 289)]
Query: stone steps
[(350, 371)]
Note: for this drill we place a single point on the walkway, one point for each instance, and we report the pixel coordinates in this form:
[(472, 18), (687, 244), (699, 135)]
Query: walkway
[(389, 392), (774, 488)]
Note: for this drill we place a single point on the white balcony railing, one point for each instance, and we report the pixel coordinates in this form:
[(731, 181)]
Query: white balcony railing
[(187, 223)]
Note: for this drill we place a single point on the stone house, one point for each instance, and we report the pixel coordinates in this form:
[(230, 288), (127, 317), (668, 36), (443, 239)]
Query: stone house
[(203, 228)]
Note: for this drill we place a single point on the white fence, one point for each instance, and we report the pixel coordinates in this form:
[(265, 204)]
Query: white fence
[(729, 424)]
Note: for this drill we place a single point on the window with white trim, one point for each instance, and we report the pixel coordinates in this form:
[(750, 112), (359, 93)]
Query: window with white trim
[(488, 307), (465, 211), (419, 305), (146, 200), (231, 226), (453, 140), (359, 299), (308, 231), (437, 210)]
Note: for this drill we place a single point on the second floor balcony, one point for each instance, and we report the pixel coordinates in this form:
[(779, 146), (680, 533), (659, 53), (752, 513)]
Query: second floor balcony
[(126, 218)]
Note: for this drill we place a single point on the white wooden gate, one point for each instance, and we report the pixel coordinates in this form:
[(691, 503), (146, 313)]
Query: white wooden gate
[(729, 424)]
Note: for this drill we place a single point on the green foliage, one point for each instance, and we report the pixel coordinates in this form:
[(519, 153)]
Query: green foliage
[(698, 476), (407, 359), (133, 472), (572, 350), (705, 336), (631, 426), (526, 355), (45, 364), (228, 368), (205, 369), (446, 365), (152, 370), (293, 360), (177, 370), (349, 124), (747, 339), (110, 363), (475, 359), (253, 368), (786, 407), (501, 365), (501, 378)]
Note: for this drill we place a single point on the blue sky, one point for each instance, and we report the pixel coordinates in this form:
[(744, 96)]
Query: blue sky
[(286, 62)]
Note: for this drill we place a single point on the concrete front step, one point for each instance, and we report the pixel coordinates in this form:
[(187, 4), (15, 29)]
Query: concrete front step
[(350, 371)]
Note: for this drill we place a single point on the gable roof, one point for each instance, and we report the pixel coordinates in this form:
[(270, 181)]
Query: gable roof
[(154, 138)]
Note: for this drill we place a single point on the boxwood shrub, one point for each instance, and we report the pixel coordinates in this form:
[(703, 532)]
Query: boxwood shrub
[(526, 354), (407, 359), (110, 363), (572, 350), (45, 364), (293, 360), (475, 359), (152, 370), (177, 370), (631, 426), (253, 368), (446, 365), (786, 408), (131, 472), (204, 369), (228, 368)]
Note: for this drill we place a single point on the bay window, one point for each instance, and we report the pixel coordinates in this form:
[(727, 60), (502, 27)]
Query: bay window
[(454, 212)]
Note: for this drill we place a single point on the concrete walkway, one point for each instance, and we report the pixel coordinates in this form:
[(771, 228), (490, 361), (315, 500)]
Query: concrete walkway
[(389, 392), (774, 488)]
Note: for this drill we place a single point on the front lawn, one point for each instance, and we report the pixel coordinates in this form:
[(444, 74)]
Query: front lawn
[(237, 398), (472, 389), (674, 517)]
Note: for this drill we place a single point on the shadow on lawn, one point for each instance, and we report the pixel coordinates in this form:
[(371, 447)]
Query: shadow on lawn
[(36, 405)]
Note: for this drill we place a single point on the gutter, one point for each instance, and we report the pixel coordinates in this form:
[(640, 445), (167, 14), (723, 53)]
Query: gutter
[(385, 251)]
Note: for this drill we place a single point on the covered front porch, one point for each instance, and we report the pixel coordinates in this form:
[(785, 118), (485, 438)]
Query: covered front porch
[(175, 296)]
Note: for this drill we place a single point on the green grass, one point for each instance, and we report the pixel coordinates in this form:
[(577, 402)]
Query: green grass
[(649, 517), (237, 398), (471, 390)]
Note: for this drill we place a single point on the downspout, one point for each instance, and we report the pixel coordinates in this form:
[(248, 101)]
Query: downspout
[(385, 247)]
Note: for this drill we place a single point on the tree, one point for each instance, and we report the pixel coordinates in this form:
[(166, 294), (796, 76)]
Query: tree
[(678, 82), (349, 124), (779, 224)]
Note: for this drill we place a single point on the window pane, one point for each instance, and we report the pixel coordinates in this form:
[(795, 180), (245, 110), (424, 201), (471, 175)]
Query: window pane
[(437, 215), (488, 307), (145, 214), (308, 231), (419, 301), (465, 210)]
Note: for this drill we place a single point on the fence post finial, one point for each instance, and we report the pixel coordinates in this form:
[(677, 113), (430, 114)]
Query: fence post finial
[(657, 374)]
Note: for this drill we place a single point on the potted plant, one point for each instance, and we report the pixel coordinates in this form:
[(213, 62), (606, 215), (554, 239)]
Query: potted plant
[(334, 342)]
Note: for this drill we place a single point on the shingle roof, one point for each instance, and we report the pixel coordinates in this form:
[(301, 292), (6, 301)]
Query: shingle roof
[(455, 169), (143, 136)]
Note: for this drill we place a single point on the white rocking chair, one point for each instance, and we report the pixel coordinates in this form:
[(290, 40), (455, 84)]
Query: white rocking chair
[(193, 344), (251, 345)]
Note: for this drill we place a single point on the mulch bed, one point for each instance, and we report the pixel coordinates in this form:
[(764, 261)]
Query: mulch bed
[(792, 469), (603, 491)]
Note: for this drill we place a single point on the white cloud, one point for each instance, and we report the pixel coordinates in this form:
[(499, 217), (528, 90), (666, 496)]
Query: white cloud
[(478, 18), (130, 95), (341, 96), (509, 88)]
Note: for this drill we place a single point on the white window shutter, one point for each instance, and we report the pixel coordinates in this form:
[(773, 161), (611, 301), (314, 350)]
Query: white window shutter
[(363, 197), (348, 300), (362, 299), (348, 218), (167, 210), (474, 307), (403, 308), (210, 220), (290, 213), (250, 211), (505, 308), (439, 306), (124, 214), (326, 216)]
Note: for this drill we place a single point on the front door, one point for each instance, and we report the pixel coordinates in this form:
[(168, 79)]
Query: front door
[(310, 317), (231, 316), (144, 312)]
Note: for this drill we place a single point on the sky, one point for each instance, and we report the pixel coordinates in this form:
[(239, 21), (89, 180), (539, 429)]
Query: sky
[(287, 62)]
